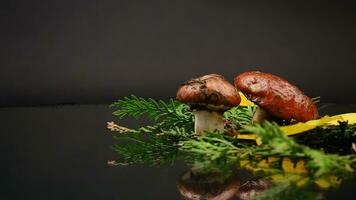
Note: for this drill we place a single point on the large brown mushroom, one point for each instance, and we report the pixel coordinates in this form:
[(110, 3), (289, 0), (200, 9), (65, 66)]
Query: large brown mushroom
[(276, 97), (209, 96)]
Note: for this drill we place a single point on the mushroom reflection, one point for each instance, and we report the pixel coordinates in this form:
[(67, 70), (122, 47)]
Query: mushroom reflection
[(252, 187), (214, 186)]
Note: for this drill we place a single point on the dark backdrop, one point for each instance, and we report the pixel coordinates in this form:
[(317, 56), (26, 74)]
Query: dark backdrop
[(97, 51)]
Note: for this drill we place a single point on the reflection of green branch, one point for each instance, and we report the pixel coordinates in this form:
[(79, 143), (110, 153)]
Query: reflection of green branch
[(213, 151), (288, 191), (317, 162), (217, 152), (150, 145)]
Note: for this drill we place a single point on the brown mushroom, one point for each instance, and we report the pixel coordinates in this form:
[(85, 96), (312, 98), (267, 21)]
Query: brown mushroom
[(276, 97), (209, 96)]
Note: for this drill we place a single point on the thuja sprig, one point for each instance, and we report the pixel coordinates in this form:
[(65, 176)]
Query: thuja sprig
[(240, 116), (211, 152), (168, 115), (331, 139)]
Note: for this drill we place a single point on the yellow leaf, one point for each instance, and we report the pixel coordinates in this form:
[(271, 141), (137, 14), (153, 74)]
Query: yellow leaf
[(245, 101)]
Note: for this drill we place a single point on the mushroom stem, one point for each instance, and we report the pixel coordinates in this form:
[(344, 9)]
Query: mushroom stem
[(260, 115), (208, 121)]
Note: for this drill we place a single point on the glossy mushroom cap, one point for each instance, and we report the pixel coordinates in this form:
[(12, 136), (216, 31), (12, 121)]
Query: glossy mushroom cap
[(277, 96), (211, 91)]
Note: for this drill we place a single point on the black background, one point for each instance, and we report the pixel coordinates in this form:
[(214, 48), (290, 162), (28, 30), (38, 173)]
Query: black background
[(97, 51)]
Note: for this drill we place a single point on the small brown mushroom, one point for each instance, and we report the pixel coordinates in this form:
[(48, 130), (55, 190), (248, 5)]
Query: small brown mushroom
[(209, 96), (276, 96)]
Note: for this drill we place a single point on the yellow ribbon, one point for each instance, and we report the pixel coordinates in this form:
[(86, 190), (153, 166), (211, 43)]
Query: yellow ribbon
[(309, 125)]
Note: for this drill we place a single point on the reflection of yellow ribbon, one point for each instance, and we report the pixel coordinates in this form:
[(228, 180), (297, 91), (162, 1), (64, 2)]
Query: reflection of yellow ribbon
[(296, 170)]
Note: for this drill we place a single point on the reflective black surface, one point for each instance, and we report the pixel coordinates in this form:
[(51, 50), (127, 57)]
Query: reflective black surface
[(62, 152)]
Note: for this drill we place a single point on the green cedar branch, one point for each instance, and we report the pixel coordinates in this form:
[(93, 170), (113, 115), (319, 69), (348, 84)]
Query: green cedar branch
[(169, 115)]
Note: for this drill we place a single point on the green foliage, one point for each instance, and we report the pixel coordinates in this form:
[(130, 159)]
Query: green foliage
[(240, 116), (156, 144), (211, 152), (331, 139), (166, 115)]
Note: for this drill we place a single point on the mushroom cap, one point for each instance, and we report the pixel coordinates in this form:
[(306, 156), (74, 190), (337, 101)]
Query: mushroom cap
[(210, 91), (277, 96)]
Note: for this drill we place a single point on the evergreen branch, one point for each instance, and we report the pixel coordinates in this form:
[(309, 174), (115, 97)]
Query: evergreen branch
[(240, 116), (168, 115), (331, 139), (210, 152)]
